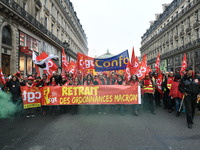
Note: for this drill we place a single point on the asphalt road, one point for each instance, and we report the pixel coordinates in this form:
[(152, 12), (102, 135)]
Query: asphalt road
[(163, 131)]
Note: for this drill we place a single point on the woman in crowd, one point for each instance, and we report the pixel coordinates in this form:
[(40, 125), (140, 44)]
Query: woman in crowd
[(88, 82), (134, 81)]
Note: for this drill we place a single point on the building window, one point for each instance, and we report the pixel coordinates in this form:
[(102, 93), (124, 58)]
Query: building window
[(182, 26), (62, 21), (52, 26), (57, 33), (52, 9), (45, 21), (172, 30), (177, 30), (24, 5), (58, 16), (188, 22), (196, 16), (189, 38), (7, 36), (182, 41), (197, 33)]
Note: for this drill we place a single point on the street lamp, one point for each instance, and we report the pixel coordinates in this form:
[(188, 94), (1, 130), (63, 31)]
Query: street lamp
[(65, 45)]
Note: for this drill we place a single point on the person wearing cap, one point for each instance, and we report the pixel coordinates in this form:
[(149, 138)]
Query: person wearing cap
[(190, 87), (149, 89), (30, 82)]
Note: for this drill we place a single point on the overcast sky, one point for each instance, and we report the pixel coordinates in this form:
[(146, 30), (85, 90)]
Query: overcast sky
[(116, 25)]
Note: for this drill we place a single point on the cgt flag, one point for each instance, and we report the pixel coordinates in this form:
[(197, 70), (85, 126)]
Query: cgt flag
[(143, 68), (157, 64), (2, 80), (184, 64), (118, 62)]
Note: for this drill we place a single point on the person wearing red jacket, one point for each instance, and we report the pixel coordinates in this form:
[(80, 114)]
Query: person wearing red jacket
[(176, 94)]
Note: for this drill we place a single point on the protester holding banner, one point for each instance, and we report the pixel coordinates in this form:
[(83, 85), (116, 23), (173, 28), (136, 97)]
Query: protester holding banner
[(134, 81), (29, 84), (149, 89), (88, 82), (102, 81), (190, 87)]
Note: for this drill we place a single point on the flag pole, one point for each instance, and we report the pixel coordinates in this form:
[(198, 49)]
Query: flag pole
[(181, 104)]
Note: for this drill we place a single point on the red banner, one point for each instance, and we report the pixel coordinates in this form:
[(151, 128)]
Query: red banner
[(94, 95), (81, 95), (31, 96)]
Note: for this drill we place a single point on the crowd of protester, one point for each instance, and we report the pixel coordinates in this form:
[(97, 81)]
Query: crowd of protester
[(174, 88)]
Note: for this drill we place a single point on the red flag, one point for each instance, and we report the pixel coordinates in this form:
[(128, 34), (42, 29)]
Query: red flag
[(37, 70), (2, 80), (157, 64), (136, 66), (143, 68), (72, 66), (133, 58), (184, 64), (85, 64), (128, 72), (149, 69), (64, 62), (159, 83)]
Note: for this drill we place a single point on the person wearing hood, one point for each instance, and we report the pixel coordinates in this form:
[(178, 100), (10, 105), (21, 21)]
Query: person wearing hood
[(190, 87), (14, 88)]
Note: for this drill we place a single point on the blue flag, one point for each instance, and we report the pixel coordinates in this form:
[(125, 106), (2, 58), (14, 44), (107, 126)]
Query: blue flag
[(117, 62)]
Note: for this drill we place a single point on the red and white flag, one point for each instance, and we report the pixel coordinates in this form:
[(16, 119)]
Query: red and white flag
[(136, 67), (2, 79), (159, 83), (65, 65), (128, 72), (157, 64), (184, 64), (44, 61), (143, 68), (149, 69)]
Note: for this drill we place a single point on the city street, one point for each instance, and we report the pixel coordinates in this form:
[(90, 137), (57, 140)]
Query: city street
[(163, 131)]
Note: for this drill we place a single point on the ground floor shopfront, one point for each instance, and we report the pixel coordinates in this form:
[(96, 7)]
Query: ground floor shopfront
[(174, 62), (14, 39)]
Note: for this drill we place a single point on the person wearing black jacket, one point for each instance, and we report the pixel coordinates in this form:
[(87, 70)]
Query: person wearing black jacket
[(190, 87), (14, 88)]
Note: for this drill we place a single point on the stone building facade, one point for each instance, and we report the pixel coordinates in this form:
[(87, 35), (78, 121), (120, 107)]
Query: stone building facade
[(42, 25), (173, 33)]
